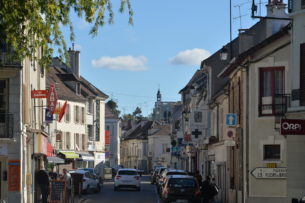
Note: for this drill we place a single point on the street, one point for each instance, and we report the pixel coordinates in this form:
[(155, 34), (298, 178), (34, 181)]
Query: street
[(147, 194)]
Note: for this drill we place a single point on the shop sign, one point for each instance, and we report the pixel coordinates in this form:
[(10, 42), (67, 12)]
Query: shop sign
[(292, 127), (52, 99), (269, 173), (36, 94), (3, 149), (14, 175)]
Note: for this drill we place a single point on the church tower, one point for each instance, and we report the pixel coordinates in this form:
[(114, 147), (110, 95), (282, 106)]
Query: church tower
[(158, 96)]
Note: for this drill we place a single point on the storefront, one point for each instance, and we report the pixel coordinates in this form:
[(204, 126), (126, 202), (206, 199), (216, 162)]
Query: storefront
[(69, 157), (85, 160)]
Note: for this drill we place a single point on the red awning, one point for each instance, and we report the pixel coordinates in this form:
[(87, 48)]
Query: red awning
[(50, 151)]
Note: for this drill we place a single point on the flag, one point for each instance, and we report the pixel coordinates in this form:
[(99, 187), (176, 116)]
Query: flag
[(62, 111)]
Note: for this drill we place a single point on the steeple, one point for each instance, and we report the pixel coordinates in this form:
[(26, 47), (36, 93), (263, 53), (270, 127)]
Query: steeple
[(159, 95)]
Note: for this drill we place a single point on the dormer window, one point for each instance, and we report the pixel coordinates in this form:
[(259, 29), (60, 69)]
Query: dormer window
[(78, 88)]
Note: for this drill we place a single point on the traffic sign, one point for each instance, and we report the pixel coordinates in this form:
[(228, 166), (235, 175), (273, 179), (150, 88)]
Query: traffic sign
[(269, 173), (231, 119)]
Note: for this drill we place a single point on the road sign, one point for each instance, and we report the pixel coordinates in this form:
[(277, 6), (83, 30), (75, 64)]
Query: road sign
[(269, 173), (39, 94), (231, 119), (52, 98)]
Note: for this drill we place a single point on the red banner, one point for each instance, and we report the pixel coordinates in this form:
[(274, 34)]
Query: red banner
[(52, 99), (14, 175), (107, 137), (39, 94)]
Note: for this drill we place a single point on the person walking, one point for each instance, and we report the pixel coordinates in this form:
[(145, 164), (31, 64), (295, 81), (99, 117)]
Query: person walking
[(67, 179), (208, 191), (198, 178), (43, 182)]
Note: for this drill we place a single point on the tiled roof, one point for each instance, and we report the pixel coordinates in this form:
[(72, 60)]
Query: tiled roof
[(140, 131)]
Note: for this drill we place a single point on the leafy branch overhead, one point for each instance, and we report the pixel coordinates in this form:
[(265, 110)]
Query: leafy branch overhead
[(30, 25)]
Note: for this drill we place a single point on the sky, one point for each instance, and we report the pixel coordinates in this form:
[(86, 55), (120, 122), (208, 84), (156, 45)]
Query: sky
[(163, 48)]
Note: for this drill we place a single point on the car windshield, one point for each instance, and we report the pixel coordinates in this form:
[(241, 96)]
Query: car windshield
[(175, 173), (181, 182), (127, 173)]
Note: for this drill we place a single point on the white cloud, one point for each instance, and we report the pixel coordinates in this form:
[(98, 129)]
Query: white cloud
[(130, 63), (190, 57)]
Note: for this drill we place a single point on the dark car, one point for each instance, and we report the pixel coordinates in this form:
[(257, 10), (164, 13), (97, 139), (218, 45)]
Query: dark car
[(179, 188), (158, 174), (166, 173), (154, 174)]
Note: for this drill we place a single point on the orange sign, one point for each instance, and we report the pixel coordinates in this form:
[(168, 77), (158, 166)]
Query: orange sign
[(14, 175), (39, 94), (107, 137)]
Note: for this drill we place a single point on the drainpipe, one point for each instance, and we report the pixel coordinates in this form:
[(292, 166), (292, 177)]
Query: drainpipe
[(246, 140)]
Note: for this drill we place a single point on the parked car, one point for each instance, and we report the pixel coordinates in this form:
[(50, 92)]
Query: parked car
[(154, 175), (167, 172), (128, 178), (180, 188), (91, 170), (90, 182), (107, 174), (159, 172)]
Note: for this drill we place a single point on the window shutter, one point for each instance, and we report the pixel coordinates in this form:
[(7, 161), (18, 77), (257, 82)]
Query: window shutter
[(302, 74)]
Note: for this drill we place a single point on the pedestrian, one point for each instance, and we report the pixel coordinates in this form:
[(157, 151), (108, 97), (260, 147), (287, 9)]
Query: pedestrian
[(209, 191), (198, 178), (42, 179), (67, 179)]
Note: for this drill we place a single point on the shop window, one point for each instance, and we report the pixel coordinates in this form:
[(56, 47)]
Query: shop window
[(272, 152)]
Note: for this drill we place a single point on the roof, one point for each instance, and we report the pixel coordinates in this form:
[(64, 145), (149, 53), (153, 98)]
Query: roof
[(284, 31), (55, 76), (140, 131), (194, 78)]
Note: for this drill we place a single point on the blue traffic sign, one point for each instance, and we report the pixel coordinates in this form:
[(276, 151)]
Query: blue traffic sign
[(231, 119)]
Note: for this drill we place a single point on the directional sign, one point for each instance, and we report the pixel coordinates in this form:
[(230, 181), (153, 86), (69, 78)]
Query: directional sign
[(231, 119), (269, 173)]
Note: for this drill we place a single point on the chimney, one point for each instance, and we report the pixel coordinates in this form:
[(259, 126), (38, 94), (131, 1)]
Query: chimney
[(276, 9), (74, 61)]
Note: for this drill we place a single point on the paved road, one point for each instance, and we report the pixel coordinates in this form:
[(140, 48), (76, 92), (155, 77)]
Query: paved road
[(108, 195)]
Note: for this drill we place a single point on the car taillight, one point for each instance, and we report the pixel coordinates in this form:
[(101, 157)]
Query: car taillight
[(198, 193), (118, 177), (137, 177)]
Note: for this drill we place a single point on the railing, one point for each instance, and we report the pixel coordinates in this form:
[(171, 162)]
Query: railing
[(277, 108), (6, 125)]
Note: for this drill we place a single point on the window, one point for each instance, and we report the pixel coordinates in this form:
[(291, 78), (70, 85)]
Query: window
[(271, 84), (90, 132), (84, 142), (67, 116), (77, 142), (76, 114), (68, 141), (78, 88), (90, 106), (83, 115), (197, 116), (272, 152), (3, 100)]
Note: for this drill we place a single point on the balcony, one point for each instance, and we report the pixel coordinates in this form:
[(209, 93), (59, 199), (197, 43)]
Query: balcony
[(6, 125), (276, 106)]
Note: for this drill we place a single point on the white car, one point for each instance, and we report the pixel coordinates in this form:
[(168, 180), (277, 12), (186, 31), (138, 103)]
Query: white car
[(89, 181), (127, 177)]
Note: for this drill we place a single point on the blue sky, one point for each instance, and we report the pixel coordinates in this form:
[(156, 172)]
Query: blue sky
[(162, 49)]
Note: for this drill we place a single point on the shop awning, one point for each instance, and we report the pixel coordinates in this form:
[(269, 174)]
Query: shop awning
[(70, 155), (55, 160), (86, 156)]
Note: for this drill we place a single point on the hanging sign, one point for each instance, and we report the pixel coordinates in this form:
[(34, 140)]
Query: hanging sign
[(35, 94), (52, 99), (292, 127)]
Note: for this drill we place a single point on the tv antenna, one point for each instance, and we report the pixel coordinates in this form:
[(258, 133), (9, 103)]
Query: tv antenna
[(240, 16)]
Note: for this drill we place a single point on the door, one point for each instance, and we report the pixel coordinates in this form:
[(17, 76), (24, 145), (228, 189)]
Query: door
[(221, 182), (3, 178)]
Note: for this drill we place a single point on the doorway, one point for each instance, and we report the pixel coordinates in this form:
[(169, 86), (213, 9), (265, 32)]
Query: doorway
[(3, 178)]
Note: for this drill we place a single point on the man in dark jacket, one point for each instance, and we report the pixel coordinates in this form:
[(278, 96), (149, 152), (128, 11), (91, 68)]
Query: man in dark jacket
[(43, 182), (208, 190)]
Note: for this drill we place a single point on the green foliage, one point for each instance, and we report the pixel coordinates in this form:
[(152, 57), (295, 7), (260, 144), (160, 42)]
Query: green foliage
[(37, 24), (113, 106)]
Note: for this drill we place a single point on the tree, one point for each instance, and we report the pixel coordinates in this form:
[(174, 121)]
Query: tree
[(137, 114), (33, 24), (113, 106)]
